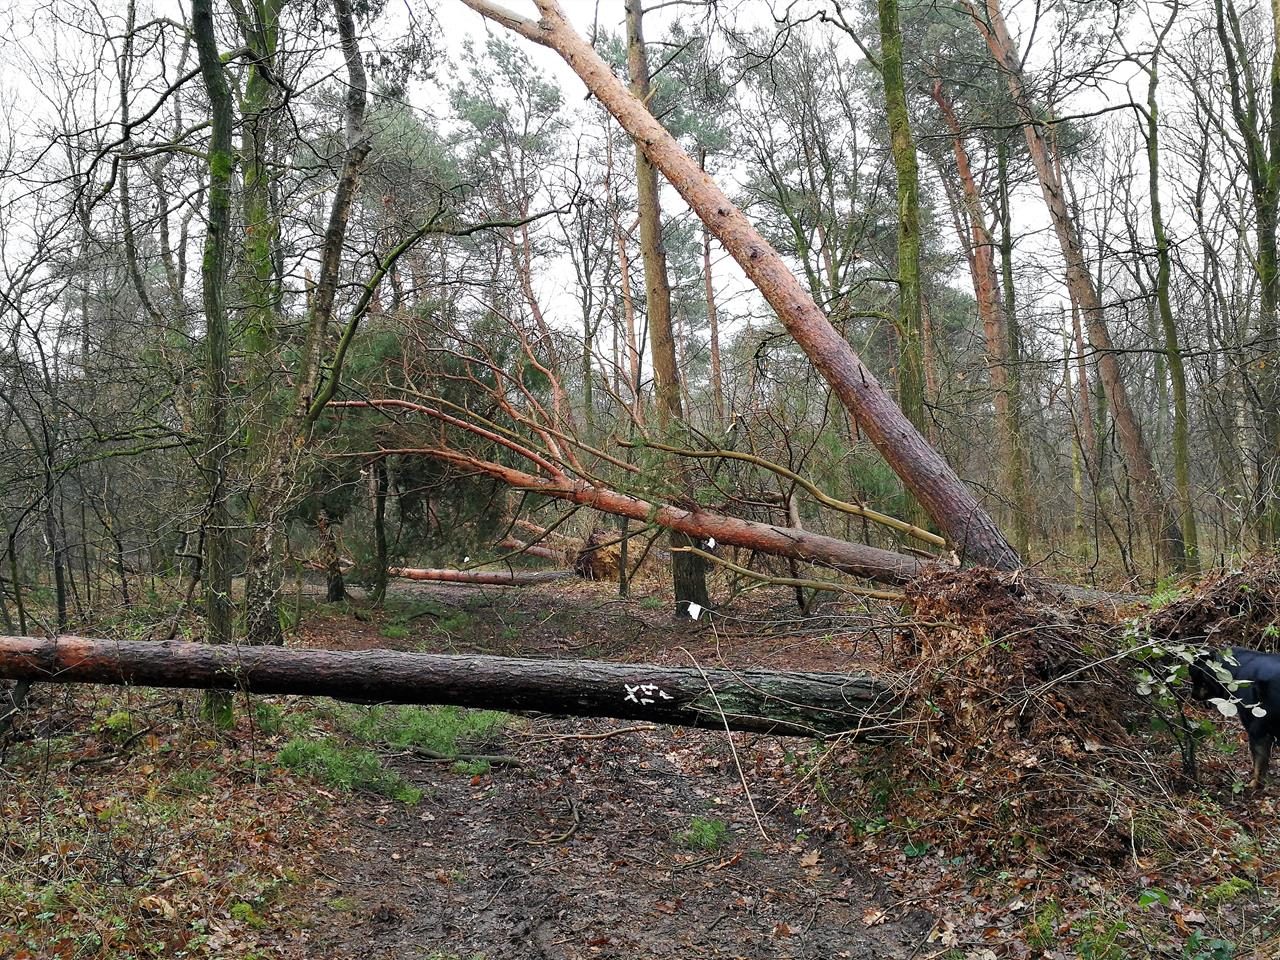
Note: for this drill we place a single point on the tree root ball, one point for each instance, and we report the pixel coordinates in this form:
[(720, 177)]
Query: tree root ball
[(598, 559)]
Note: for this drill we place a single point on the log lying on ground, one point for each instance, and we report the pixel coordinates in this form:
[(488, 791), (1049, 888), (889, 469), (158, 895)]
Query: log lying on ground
[(529, 549), (497, 578), (855, 559), (800, 704), (545, 535)]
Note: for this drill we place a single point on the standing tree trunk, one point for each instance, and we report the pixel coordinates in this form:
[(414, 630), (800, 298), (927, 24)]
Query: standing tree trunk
[(55, 536), (926, 474), (1013, 335), (1164, 530), (629, 314), (713, 318), (980, 252), (265, 570), (335, 583), (688, 571), (216, 566), (15, 578), (258, 289), (910, 367), (1173, 350), (1257, 116), (380, 484)]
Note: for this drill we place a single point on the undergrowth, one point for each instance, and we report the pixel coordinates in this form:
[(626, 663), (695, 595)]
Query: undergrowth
[(702, 834), (444, 730), (1034, 763), (348, 768), (129, 831)]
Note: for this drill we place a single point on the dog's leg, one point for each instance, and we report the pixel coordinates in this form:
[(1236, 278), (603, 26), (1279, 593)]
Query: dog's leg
[(1260, 747)]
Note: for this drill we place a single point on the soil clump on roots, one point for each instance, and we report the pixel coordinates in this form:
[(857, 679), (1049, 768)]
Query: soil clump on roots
[(1019, 720)]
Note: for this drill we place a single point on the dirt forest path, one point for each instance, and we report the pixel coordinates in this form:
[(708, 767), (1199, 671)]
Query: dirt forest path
[(577, 854), (604, 841)]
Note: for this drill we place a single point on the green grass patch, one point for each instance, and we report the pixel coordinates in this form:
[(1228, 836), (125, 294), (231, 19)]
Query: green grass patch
[(269, 718), (702, 834), (1167, 591), (118, 725), (1042, 930), (193, 782), (444, 730), (456, 622), (348, 768), (1233, 888), (1098, 938), (244, 913), (400, 616)]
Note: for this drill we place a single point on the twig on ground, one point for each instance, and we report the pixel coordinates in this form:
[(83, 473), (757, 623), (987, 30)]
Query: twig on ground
[(436, 756), (560, 838), (114, 754), (590, 736)]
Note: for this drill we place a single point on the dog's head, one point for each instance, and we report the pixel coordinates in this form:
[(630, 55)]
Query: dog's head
[(1210, 673)]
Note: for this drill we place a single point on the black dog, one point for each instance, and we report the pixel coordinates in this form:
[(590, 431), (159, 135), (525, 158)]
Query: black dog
[(1257, 682)]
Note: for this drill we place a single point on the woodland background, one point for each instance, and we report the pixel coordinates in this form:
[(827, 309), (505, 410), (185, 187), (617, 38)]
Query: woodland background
[(444, 220), (302, 303)]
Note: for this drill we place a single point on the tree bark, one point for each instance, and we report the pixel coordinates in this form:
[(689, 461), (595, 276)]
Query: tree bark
[(799, 704), (713, 318), (528, 549), (216, 564), (1169, 326), (856, 559), (265, 567), (216, 569), (335, 582), (380, 483), (1261, 135), (910, 328), (923, 470), (688, 571), (979, 250)]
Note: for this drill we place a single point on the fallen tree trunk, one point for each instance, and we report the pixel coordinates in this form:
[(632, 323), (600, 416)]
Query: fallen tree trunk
[(968, 527), (528, 549), (856, 559), (543, 534), (800, 704), (497, 578)]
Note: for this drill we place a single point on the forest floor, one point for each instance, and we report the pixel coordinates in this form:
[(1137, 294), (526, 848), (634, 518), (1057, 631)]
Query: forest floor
[(130, 828)]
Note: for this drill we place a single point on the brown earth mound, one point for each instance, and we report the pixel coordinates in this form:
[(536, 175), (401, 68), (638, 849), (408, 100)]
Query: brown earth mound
[(1236, 609), (1020, 716)]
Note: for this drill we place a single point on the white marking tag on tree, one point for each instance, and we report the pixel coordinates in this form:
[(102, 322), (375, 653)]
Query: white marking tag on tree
[(695, 611), (711, 543), (466, 559)]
